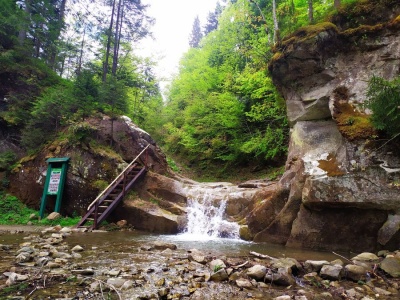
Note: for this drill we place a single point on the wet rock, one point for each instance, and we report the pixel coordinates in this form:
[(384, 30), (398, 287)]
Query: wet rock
[(63, 255), (77, 248), (323, 296), (244, 283), (197, 256), (53, 265), (23, 257), (76, 255), (331, 272), (43, 254), (122, 223), (383, 253), (127, 285), (61, 261), (383, 292), (15, 277), (312, 277), (353, 294), (389, 229), (217, 264), (65, 230), (114, 272), (159, 245), (391, 265), (245, 233), (42, 261), (355, 272), (219, 275), (83, 271), (337, 262), (163, 292), (94, 287), (160, 282), (283, 297), (283, 276), (53, 216), (146, 247), (366, 257), (33, 217), (257, 272), (28, 250), (314, 265), (57, 236), (116, 282), (286, 263)]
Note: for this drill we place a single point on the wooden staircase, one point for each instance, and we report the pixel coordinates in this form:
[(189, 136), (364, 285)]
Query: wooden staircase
[(109, 199)]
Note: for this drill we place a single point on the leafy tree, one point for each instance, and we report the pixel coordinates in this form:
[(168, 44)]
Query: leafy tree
[(50, 112), (10, 16), (196, 35), (128, 23), (384, 101), (223, 107), (85, 94)]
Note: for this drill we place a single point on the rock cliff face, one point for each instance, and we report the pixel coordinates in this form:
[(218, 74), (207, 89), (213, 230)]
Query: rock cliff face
[(157, 204), (93, 165), (334, 193)]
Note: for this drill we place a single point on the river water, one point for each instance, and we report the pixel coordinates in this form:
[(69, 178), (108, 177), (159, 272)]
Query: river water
[(117, 240), (207, 230)]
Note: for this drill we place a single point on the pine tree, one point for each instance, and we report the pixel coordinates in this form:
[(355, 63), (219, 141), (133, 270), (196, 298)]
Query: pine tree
[(196, 35), (212, 19)]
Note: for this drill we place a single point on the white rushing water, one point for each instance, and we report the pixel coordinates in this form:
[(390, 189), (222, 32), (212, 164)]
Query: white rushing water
[(206, 221)]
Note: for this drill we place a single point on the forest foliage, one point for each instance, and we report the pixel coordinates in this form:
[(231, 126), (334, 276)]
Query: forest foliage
[(61, 62)]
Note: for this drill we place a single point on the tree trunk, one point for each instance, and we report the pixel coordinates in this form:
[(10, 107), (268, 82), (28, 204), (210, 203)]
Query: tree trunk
[(22, 33), (310, 11), (109, 34), (336, 3), (81, 52), (276, 26), (60, 25), (120, 29), (116, 38), (262, 15)]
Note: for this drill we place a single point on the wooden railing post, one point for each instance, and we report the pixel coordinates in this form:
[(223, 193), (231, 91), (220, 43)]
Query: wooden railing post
[(95, 215), (118, 177)]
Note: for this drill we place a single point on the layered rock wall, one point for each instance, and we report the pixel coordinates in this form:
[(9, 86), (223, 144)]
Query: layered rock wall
[(338, 195)]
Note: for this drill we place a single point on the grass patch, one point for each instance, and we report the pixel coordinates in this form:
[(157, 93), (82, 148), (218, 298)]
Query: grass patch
[(14, 212), (7, 291)]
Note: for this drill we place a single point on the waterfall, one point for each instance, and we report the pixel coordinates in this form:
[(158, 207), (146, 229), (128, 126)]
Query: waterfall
[(205, 220)]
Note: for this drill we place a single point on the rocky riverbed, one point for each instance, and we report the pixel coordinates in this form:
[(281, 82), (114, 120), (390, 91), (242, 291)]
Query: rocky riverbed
[(47, 265)]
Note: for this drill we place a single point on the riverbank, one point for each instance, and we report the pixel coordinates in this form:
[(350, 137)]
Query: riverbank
[(50, 264), (21, 228)]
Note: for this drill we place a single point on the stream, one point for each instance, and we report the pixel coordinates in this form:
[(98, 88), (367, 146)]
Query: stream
[(130, 264)]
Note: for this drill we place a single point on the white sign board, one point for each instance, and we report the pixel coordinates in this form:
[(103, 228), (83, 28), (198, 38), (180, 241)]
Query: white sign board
[(54, 182)]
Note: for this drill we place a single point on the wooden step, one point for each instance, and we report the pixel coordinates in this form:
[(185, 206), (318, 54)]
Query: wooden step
[(110, 196)]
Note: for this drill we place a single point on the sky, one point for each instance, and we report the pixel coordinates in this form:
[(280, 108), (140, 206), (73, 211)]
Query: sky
[(174, 21)]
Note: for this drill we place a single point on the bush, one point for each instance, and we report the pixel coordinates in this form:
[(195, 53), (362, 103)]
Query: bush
[(384, 101), (12, 211), (7, 158)]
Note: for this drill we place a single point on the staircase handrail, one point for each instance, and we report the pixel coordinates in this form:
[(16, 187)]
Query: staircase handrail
[(117, 178)]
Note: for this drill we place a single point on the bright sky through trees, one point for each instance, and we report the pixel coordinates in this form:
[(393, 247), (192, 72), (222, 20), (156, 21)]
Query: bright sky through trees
[(174, 20)]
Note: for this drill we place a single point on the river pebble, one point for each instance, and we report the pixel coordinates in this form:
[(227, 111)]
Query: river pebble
[(161, 271)]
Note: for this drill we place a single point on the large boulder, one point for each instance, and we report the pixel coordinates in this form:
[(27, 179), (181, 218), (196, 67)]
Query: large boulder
[(337, 191), (92, 165)]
